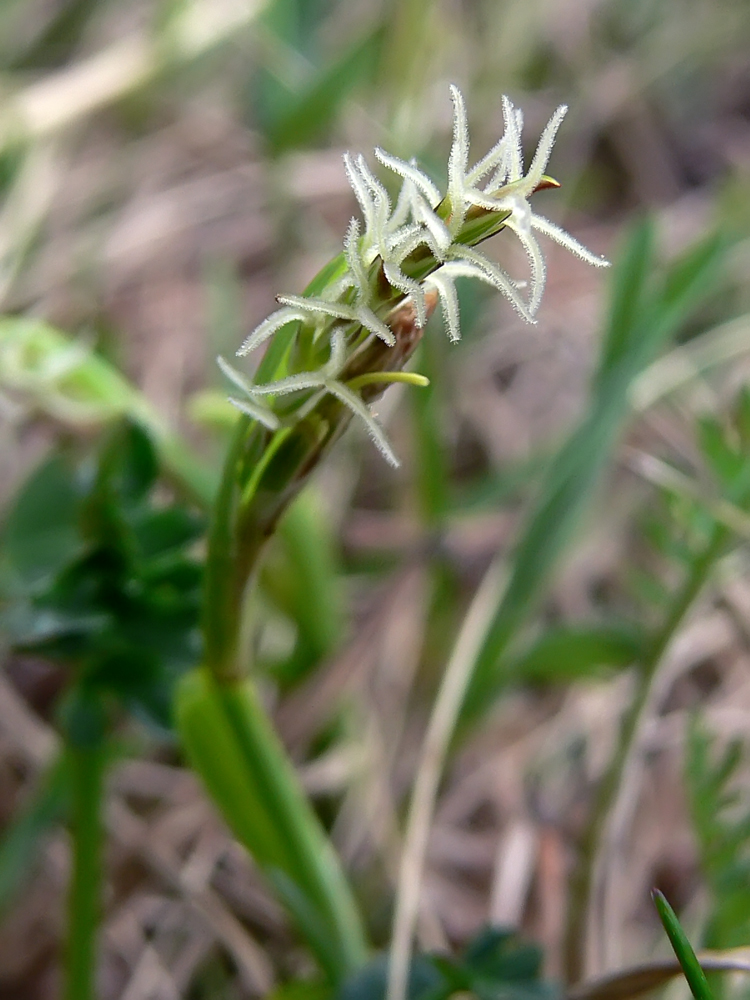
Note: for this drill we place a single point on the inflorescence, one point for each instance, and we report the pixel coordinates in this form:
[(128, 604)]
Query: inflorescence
[(422, 218)]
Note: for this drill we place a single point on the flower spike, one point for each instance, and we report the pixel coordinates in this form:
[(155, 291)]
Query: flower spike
[(408, 257)]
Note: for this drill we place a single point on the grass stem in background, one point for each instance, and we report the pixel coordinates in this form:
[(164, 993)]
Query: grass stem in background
[(642, 317), (432, 757), (21, 840), (583, 876), (87, 766)]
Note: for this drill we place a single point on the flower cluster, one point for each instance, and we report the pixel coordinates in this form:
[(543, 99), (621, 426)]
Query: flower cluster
[(422, 224)]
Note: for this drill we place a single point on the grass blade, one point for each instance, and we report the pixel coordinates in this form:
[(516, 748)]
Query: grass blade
[(694, 974), (23, 838), (636, 334)]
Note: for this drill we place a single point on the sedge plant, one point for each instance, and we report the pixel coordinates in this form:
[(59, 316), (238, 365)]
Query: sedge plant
[(330, 354)]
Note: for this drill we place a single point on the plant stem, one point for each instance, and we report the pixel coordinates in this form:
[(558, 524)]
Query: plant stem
[(339, 941), (87, 767), (574, 946)]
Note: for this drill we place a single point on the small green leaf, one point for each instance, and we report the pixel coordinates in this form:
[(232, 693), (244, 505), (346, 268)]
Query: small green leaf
[(129, 465), (23, 837), (725, 462), (303, 989), (497, 952), (721, 824), (694, 974), (566, 654), (635, 265), (425, 980), (161, 531), (41, 533), (301, 576), (742, 417)]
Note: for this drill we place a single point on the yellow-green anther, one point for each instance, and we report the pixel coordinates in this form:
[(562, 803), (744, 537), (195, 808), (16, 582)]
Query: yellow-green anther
[(388, 378)]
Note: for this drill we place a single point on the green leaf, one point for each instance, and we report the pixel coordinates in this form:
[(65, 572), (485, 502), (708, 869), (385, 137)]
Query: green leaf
[(122, 610), (162, 531), (498, 953), (720, 814), (129, 464), (724, 460), (570, 653), (22, 839), (307, 115), (302, 578), (694, 974), (687, 282), (629, 285), (233, 747), (496, 964), (303, 989), (41, 532), (425, 980)]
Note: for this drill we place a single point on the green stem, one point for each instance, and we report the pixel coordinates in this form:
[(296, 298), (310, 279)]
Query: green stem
[(87, 767), (583, 875), (319, 889)]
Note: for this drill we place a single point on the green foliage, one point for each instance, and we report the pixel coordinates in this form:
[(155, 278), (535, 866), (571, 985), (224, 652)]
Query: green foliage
[(724, 443), (644, 313), (495, 965), (21, 839), (100, 574), (628, 298), (307, 115), (301, 577), (720, 816), (231, 744), (297, 95), (566, 654), (41, 534), (678, 520), (99, 569)]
